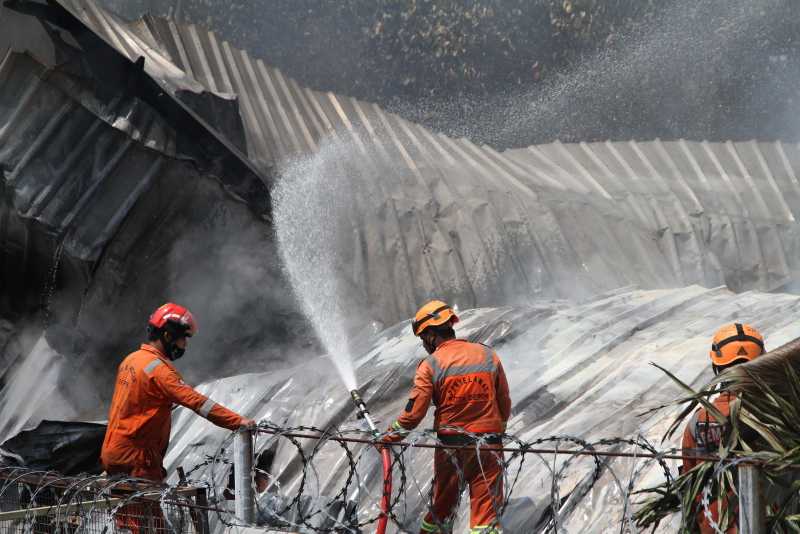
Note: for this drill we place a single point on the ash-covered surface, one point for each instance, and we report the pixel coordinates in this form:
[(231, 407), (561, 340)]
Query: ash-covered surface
[(574, 370)]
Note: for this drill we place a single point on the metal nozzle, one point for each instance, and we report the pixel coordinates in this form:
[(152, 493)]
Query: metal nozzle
[(363, 413)]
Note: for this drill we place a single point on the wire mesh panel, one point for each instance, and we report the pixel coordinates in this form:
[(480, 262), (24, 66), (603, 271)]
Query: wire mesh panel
[(35, 502)]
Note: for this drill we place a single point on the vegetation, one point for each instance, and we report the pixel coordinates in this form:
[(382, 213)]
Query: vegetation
[(763, 425)]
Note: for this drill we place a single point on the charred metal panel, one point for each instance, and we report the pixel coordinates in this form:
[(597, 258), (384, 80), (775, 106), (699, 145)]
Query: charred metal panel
[(103, 217), (216, 111), (65, 168)]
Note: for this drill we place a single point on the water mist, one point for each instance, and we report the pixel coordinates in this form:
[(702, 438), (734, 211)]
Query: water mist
[(313, 203)]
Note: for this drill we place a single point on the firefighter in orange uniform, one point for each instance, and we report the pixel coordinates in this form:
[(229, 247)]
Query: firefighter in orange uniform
[(468, 386), (733, 344), (147, 387)]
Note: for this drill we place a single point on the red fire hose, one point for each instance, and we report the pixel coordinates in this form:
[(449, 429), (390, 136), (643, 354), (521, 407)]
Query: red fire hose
[(386, 456), (386, 499)]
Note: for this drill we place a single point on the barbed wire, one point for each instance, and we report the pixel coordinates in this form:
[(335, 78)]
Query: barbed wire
[(318, 489)]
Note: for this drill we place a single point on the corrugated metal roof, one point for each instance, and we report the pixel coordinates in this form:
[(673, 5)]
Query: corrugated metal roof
[(66, 167), (735, 200), (480, 226), (283, 121), (210, 110), (281, 118)]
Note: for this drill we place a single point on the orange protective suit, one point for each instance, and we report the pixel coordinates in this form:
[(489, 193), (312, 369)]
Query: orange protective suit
[(468, 386), (139, 422), (702, 436), (140, 417)]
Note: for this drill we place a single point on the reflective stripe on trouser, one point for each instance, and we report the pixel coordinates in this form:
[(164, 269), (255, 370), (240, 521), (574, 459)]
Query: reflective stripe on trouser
[(485, 529), (485, 481), (429, 527)]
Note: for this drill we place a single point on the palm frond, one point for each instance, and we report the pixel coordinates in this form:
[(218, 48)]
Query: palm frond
[(764, 425)]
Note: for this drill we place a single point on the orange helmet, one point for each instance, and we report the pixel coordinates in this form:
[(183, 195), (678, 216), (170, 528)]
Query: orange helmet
[(736, 342), (434, 313)]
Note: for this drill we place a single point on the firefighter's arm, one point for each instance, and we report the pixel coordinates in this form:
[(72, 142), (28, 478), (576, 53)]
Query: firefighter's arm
[(503, 395), (688, 448), (176, 390), (418, 401)]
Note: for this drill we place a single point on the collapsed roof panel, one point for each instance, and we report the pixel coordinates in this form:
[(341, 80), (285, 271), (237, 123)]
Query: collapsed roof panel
[(269, 104), (108, 204), (645, 182), (216, 111), (61, 159)]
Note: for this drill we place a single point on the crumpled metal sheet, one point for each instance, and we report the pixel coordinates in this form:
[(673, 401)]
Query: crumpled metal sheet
[(69, 448), (691, 197), (98, 213), (581, 370), (216, 110), (65, 167), (483, 228)]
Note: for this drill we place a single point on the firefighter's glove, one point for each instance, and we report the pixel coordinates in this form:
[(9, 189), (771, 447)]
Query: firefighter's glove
[(395, 433)]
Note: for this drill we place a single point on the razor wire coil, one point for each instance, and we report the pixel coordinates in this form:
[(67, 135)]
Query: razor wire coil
[(303, 502)]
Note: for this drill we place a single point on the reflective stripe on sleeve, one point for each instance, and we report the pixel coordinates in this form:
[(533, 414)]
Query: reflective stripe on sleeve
[(206, 408), (485, 529), (150, 367), (434, 364)]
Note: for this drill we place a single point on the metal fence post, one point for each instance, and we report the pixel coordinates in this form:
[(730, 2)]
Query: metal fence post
[(201, 514), (243, 481), (752, 514)]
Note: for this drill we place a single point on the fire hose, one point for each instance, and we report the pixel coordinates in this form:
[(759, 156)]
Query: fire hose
[(363, 413)]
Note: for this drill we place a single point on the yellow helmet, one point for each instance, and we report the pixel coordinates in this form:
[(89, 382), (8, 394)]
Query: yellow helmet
[(736, 342), (434, 313)]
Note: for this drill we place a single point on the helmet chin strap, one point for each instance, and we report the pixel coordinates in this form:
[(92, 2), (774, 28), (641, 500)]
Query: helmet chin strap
[(429, 344)]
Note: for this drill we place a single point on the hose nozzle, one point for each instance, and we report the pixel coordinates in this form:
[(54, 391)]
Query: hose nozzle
[(356, 396), (363, 412)]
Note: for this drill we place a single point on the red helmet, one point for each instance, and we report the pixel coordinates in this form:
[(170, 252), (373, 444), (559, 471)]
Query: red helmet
[(176, 315)]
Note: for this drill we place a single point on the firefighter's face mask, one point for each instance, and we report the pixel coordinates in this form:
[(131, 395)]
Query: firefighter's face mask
[(174, 345)]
